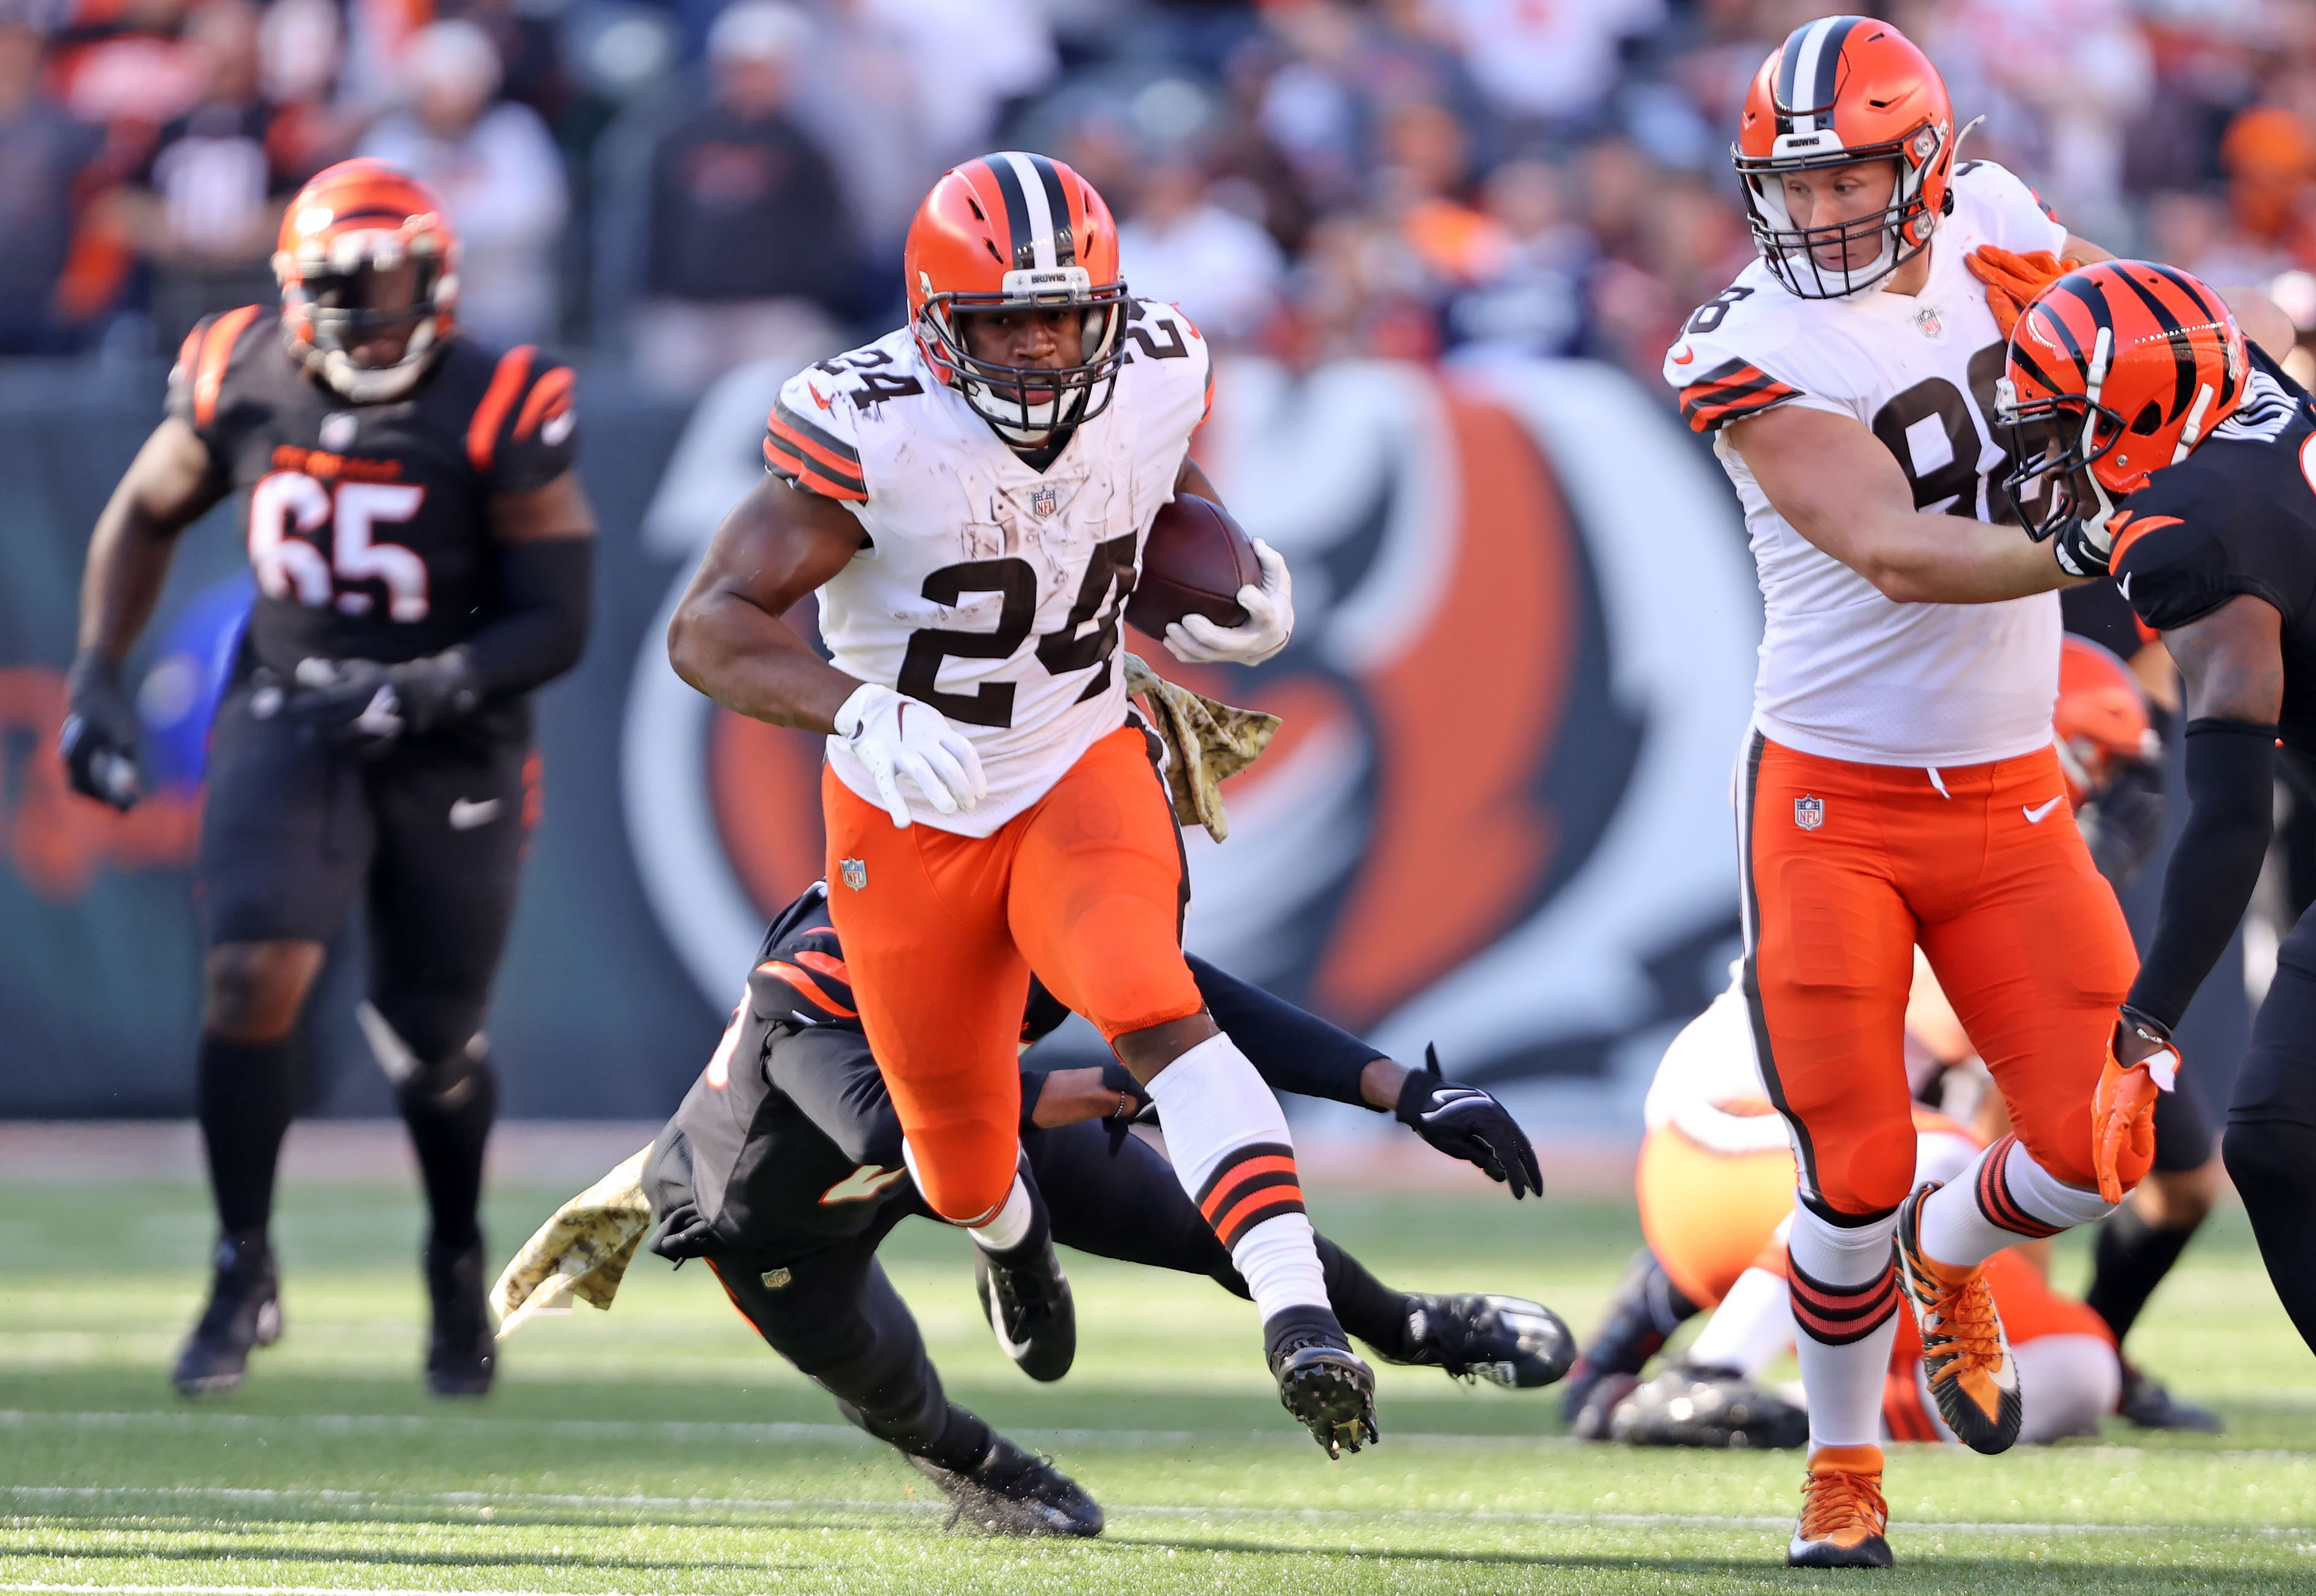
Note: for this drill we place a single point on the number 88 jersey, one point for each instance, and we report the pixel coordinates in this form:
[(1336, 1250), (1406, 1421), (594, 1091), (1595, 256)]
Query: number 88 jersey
[(368, 525), (989, 588), (1845, 673)]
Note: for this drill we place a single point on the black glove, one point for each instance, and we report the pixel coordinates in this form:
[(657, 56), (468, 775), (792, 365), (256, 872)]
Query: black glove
[(2081, 549), (1465, 1122), (99, 741), (366, 707)]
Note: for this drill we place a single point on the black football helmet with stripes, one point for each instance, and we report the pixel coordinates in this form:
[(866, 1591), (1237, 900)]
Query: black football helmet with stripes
[(1839, 91), (1014, 231)]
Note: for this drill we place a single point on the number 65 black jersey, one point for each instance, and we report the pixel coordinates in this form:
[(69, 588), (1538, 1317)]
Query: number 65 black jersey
[(1845, 673), (367, 525), (988, 588)]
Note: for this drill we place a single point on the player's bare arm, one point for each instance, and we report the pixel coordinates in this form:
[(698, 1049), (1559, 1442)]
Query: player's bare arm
[(2262, 319), (543, 514), (1839, 487), (167, 488), (2231, 662), (728, 639)]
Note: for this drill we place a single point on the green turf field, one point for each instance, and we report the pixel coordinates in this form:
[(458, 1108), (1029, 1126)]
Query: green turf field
[(660, 1448)]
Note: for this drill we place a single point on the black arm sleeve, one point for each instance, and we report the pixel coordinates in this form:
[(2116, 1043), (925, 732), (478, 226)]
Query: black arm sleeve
[(544, 600), (1290, 1049), (2231, 772), (831, 1076)]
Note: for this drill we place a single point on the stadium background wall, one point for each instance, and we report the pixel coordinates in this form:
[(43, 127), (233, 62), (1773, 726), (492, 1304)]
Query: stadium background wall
[(1497, 816)]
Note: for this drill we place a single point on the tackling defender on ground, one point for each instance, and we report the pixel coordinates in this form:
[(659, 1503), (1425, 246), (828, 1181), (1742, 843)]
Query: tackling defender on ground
[(783, 1169)]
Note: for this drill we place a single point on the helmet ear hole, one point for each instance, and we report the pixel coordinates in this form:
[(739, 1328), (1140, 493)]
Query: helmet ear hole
[(2149, 421)]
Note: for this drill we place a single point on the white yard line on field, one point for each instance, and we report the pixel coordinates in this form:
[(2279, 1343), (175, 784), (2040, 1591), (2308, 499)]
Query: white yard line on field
[(261, 1495), (845, 1434)]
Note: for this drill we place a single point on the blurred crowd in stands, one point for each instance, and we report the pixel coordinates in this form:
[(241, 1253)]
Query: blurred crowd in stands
[(684, 184)]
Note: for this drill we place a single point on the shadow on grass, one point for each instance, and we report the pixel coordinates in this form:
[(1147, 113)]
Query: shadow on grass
[(1917, 1572)]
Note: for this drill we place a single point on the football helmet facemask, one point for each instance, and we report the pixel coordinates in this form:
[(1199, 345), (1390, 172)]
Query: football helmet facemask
[(1013, 231), (2115, 372), (366, 249)]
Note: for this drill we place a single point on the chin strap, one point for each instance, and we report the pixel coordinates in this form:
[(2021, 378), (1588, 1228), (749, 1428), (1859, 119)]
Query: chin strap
[(2194, 431)]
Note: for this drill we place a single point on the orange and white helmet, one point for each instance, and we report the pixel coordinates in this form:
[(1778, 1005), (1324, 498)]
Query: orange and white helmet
[(1013, 231), (2117, 371), (1839, 91), (353, 221), (2100, 722)]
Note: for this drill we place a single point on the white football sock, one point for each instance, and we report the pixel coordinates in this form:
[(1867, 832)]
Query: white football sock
[(1010, 1227), (1844, 1293), (2002, 1198), (1753, 1325), (1234, 1156)]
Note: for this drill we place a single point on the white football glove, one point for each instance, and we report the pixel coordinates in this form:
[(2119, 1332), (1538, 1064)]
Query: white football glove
[(1270, 622), (896, 736)]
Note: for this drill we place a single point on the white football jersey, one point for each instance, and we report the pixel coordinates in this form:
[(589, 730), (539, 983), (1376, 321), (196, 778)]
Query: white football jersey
[(1845, 673), (989, 589)]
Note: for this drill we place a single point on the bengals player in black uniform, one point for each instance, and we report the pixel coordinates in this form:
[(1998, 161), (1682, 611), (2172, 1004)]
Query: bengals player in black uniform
[(2162, 448), (422, 549), (783, 1169)]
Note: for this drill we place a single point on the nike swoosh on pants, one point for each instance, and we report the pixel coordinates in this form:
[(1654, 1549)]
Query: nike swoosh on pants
[(2041, 811)]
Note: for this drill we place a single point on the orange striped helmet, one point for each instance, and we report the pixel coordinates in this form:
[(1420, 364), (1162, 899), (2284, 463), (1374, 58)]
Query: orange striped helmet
[(352, 223), (2100, 722), (2115, 370), (1013, 231), (1839, 91)]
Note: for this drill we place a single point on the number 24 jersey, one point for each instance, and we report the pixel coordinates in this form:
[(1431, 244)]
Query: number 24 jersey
[(987, 588), (1845, 673)]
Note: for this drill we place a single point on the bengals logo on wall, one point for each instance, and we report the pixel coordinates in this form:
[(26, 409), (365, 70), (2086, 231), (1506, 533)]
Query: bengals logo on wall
[(1497, 814)]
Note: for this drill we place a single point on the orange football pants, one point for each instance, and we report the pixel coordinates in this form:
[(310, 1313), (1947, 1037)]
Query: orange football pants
[(1087, 887), (1846, 866)]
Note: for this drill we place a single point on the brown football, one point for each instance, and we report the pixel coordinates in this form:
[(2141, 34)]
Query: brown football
[(1194, 562)]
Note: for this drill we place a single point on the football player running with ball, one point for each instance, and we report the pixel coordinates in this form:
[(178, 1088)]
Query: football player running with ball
[(1898, 786), (2165, 447), (968, 496), (422, 549)]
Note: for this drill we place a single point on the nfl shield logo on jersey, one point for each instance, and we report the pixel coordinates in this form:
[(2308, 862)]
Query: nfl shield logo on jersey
[(856, 872), (1809, 813), (1045, 502)]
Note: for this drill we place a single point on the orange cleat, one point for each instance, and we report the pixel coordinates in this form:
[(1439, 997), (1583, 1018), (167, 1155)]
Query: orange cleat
[(1844, 1521), (1964, 1352)]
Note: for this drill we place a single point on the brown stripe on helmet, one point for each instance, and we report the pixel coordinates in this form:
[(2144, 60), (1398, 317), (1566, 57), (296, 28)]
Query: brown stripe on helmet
[(1022, 245)]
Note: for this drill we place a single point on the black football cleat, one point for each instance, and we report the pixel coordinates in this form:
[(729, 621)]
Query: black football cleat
[(461, 1353), (1592, 1419), (244, 1311), (2149, 1405), (1507, 1340), (1321, 1380), (1691, 1406), (1011, 1492), (1025, 1299), (1645, 1311)]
